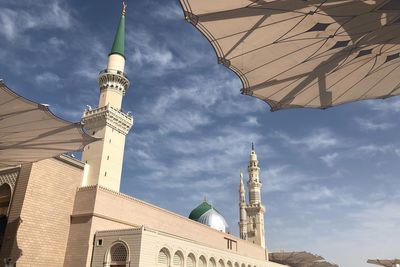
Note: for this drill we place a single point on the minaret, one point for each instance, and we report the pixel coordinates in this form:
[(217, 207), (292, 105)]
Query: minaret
[(242, 206), (255, 210), (104, 158), (254, 178)]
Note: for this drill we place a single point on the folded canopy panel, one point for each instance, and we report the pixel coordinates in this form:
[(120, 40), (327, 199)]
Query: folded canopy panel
[(299, 259), (386, 263), (30, 132), (296, 53)]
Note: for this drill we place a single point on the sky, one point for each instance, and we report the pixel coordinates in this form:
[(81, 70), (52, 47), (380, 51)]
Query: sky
[(330, 178)]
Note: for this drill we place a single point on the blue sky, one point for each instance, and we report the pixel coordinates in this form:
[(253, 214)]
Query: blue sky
[(330, 178)]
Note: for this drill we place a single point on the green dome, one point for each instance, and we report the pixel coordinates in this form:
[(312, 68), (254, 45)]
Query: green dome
[(200, 210)]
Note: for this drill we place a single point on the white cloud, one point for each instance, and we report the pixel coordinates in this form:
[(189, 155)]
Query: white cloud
[(281, 178), (7, 24), (330, 159), (318, 139), (13, 23), (168, 11), (367, 124), (386, 105), (48, 78), (373, 149), (251, 121), (152, 54), (56, 42), (312, 193)]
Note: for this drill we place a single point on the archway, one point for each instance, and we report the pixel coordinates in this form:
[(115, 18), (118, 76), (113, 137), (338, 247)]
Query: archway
[(118, 255), (164, 258)]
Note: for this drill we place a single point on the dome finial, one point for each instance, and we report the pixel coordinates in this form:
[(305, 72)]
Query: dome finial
[(252, 146), (119, 40), (124, 5)]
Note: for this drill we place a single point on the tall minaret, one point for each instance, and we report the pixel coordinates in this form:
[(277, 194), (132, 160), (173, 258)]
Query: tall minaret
[(255, 210), (242, 206), (104, 158)]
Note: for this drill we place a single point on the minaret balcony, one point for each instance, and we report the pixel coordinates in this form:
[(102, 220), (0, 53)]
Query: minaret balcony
[(118, 72), (108, 116), (114, 80)]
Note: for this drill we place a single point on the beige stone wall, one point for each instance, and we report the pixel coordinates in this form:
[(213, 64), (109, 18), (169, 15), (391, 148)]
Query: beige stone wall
[(131, 237), (144, 245), (43, 200), (113, 210)]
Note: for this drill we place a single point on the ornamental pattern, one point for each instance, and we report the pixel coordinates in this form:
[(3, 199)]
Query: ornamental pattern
[(117, 120), (9, 178)]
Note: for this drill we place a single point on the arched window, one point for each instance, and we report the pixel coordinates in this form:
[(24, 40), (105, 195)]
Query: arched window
[(118, 255), (178, 259), (221, 263), (212, 263), (243, 265), (190, 261), (229, 264), (202, 262), (236, 264), (163, 258)]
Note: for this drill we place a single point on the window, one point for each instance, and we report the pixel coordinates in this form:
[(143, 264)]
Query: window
[(231, 244), (118, 255), (202, 262), (191, 261), (99, 242), (178, 259), (108, 157), (212, 263), (105, 173), (163, 257)]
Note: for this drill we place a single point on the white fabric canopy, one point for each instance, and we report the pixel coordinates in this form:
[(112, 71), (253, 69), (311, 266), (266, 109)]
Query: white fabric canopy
[(299, 259), (30, 132), (386, 263), (296, 53)]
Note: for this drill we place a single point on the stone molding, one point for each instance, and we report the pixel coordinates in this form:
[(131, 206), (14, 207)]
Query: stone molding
[(107, 115), (113, 81)]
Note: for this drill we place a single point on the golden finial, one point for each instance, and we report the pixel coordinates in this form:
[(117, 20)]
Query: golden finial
[(124, 5)]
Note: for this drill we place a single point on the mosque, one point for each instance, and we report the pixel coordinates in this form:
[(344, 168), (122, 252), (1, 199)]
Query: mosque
[(68, 212)]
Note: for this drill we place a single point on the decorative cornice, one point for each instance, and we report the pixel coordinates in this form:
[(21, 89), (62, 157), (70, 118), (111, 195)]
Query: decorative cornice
[(71, 161), (113, 80), (116, 119), (255, 207)]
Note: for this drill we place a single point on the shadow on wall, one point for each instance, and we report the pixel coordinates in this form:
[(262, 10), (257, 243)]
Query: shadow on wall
[(11, 251)]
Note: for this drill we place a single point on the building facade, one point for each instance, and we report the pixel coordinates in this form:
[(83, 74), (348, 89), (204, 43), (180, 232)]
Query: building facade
[(64, 212)]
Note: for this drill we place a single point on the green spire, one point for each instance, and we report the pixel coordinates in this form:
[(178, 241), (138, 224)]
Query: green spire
[(119, 41)]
